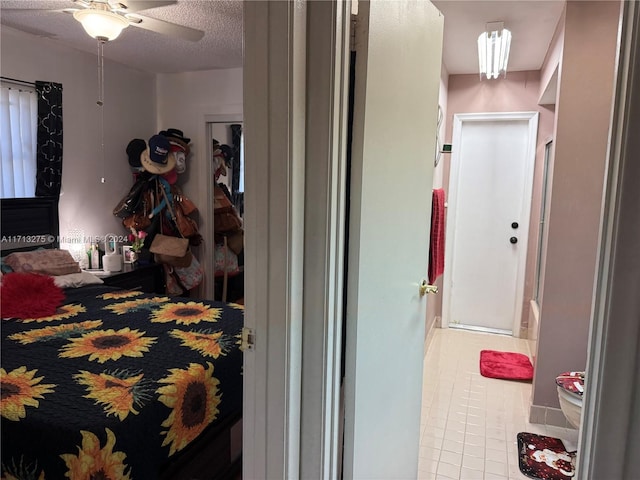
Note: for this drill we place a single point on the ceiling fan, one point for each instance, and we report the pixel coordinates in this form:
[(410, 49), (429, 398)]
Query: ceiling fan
[(105, 19)]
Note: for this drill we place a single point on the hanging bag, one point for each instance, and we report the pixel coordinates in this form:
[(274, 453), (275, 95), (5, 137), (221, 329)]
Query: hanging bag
[(179, 280), (140, 218), (190, 276), (131, 201), (171, 250), (186, 225), (225, 215), (185, 203)]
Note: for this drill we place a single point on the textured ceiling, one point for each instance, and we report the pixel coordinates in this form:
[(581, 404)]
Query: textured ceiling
[(221, 46), (532, 23)]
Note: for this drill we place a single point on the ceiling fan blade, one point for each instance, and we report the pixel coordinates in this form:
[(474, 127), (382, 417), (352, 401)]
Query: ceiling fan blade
[(32, 31), (165, 28), (82, 3), (132, 6), (36, 9)]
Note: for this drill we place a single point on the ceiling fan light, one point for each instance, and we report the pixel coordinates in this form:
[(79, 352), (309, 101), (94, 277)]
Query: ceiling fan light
[(101, 24), (493, 50)]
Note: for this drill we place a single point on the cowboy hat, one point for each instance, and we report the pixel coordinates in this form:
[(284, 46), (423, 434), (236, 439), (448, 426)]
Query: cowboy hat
[(175, 133)]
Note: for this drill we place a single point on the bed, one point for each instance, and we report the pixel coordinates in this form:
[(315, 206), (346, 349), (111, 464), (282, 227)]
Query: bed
[(118, 383)]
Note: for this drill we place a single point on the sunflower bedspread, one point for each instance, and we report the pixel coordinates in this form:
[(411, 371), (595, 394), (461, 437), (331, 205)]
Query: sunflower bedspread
[(116, 384)]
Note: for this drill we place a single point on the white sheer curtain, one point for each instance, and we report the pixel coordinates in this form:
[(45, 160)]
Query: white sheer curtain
[(18, 136)]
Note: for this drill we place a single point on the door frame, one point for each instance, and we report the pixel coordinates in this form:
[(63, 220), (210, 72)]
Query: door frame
[(601, 437), (295, 135), (610, 431), (274, 93), (459, 119)]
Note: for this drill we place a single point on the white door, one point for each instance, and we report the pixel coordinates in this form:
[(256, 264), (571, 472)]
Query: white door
[(489, 203), (398, 58)]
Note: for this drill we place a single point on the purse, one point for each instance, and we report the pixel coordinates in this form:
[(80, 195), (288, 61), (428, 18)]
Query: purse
[(171, 250), (225, 260), (225, 216), (132, 200), (191, 276), (185, 203), (186, 225), (179, 280), (172, 287), (140, 219)]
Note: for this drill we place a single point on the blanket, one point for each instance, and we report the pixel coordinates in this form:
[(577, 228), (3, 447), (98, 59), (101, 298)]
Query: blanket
[(116, 383)]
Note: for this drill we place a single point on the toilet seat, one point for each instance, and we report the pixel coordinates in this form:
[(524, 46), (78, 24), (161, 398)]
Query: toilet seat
[(570, 387), (572, 383)]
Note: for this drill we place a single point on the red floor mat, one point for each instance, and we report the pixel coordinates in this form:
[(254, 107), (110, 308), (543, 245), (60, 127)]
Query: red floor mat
[(506, 365), (544, 458)]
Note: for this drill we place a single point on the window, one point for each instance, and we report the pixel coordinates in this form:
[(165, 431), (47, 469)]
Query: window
[(18, 137)]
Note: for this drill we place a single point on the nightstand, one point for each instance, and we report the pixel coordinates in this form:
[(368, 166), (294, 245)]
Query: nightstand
[(148, 278)]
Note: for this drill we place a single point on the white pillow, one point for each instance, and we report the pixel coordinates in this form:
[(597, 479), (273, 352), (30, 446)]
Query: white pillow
[(74, 280)]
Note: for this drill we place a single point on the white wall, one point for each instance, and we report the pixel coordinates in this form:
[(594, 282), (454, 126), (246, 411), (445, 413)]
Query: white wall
[(185, 100), (129, 112), (137, 105)]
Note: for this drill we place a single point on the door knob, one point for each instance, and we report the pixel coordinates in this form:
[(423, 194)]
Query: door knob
[(426, 288), (513, 240)]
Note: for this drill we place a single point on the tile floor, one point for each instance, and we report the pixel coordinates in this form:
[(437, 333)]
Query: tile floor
[(469, 423)]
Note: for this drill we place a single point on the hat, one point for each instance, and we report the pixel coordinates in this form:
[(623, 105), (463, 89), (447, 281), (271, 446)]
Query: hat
[(175, 133), (227, 153), (159, 147), (177, 144), (134, 149), (157, 158)]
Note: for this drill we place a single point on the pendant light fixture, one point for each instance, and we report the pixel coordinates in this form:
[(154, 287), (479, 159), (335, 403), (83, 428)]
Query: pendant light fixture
[(103, 25), (100, 23), (493, 50)]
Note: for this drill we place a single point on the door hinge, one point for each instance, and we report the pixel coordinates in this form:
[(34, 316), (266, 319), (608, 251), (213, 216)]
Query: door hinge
[(247, 340)]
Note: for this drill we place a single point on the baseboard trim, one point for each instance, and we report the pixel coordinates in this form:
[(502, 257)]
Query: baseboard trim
[(430, 334), (548, 416)]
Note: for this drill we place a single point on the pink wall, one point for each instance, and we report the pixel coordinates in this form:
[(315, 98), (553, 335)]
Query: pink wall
[(554, 53), (434, 305), (583, 113), (519, 91)]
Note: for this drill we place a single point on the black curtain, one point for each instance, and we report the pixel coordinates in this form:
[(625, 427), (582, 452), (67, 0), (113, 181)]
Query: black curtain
[(237, 197), (49, 155)]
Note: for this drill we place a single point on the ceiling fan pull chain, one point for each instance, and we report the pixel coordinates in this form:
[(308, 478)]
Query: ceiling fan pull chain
[(100, 104), (100, 101)]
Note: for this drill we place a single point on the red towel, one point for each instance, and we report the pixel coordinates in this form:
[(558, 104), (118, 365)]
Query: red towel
[(436, 247)]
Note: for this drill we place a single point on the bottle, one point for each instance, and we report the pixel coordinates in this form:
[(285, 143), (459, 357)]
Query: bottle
[(95, 257)]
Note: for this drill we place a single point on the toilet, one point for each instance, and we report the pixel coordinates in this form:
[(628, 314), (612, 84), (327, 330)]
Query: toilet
[(570, 387)]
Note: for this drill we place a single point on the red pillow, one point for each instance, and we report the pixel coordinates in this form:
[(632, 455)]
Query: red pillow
[(29, 295)]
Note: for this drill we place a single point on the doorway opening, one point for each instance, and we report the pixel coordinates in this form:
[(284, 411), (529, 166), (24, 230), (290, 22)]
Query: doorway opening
[(489, 198), (225, 266)]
